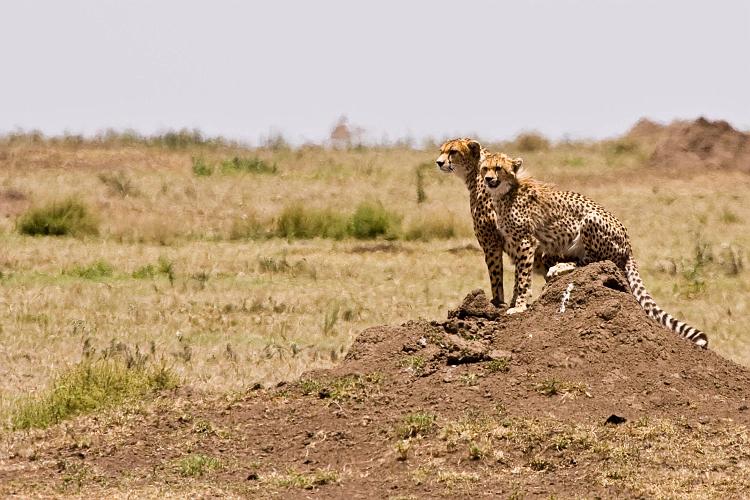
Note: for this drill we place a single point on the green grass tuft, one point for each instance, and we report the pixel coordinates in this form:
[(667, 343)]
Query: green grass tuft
[(144, 272), (248, 165), (371, 220), (296, 221), (415, 424), (88, 386), (197, 465), (68, 217), (498, 365), (96, 271), (426, 229), (201, 168)]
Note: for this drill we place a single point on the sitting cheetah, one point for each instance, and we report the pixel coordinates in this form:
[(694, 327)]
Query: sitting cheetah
[(462, 157), (534, 216)]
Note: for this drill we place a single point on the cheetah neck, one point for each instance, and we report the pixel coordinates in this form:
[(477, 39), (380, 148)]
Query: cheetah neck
[(523, 189), (473, 183)]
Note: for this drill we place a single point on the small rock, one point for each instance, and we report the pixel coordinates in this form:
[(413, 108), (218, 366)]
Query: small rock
[(615, 420), (451, 326)]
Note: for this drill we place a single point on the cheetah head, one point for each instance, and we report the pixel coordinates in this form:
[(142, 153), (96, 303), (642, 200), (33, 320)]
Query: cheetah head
[(501, 172), (459, 156)]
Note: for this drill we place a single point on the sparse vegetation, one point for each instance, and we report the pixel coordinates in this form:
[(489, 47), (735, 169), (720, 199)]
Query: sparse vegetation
[(415, 364), (414, 425), (201, 168), (248, 165), (305, 481), (420, 172), (145, 272), (197, 465), (402, 448), (349, 387), (331, 318), (119, 184), (553, 387), (68, 217), (96, 271), (498, 365)]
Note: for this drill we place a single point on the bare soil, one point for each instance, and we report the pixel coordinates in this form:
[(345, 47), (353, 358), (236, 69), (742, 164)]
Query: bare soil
[(595, 401)]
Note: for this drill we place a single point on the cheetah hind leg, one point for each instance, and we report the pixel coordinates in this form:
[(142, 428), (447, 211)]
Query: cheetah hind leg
[(560, 269)]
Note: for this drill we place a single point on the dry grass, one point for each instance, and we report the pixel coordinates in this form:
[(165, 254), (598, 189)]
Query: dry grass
[(651, 458), (184, 266)]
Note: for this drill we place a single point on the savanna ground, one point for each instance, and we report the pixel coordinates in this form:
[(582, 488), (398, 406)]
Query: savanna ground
[(195, 269)]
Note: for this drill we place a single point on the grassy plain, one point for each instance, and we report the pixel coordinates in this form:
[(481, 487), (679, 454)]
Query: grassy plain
[(193, 263)]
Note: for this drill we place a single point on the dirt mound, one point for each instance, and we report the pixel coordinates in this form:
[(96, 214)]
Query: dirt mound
[(581, 395), (702, 144)]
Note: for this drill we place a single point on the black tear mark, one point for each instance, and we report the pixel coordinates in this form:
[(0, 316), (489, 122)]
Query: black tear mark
[(614, 284)]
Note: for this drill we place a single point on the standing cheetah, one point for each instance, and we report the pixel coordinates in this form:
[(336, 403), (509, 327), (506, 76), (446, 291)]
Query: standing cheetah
[(462, 157), (534, 216)]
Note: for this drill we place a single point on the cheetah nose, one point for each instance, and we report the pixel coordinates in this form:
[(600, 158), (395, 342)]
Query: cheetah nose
[(440, 163)]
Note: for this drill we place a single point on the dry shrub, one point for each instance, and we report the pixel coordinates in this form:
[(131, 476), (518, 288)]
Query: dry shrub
[(530, 142)]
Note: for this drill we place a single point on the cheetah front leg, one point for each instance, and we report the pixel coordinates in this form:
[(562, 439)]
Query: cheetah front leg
[(524, 260), (494, 260)]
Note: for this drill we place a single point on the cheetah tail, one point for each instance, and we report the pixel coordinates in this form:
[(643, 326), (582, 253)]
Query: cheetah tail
[(655, 312)]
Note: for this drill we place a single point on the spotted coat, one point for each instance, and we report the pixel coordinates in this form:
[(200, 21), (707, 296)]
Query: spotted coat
[(462, 157), (534, 217)]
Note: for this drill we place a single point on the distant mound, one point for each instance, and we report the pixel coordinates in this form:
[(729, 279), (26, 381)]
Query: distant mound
[(645, 130), (698, 144)]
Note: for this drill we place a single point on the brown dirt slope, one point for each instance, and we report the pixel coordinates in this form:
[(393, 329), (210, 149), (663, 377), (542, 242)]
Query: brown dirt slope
[(698, 144), (593, 401)]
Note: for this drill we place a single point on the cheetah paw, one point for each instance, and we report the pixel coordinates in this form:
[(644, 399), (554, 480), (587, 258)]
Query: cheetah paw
[(517, 309), (560, 269)]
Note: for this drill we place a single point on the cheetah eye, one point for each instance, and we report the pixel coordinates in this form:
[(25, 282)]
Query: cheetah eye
[(452, 152)]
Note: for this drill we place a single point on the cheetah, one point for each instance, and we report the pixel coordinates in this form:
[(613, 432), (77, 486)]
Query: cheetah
[(462, 157), (532, 215)]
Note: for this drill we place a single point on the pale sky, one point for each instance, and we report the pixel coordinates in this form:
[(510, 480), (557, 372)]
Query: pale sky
[(576, 68)]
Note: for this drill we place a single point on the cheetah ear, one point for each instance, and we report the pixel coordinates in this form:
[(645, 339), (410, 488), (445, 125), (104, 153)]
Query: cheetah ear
[(474, 148), (517, 163)]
